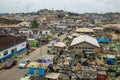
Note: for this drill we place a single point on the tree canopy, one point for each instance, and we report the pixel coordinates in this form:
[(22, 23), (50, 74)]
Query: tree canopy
[(34, 24)]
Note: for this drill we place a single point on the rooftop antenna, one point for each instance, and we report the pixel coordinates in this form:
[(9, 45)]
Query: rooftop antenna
[(64, 7), (52, 10), (43, 6), (46, 5), (27, 6)]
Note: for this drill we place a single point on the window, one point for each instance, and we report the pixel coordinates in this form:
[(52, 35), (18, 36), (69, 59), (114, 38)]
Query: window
[(71, 47), (13, 50), (79, 47), (5, 53), (91, 48), (23, 44), (82, 47), (76, 47)]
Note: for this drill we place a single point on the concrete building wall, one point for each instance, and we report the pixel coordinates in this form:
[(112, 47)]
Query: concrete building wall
[(12, 50), (84, 47), (48, 32)]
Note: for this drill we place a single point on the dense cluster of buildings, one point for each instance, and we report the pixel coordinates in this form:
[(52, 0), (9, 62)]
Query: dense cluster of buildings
[(89, 49)]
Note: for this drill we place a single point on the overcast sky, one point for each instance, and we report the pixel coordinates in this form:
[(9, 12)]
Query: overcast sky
[(80, 6)]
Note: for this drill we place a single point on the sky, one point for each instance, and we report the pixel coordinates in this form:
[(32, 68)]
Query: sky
[(78, 6)]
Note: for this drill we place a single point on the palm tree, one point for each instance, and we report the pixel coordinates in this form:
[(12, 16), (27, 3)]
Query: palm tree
[(34, 24)]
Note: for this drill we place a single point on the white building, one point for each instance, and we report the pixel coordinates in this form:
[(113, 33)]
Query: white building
[(26, 31), (10, 46), (24, 24), (84, 43), (47, 32), (61, 27)]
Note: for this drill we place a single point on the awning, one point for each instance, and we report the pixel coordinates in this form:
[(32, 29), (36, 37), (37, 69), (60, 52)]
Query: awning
[(46, 57), (66, 63), (110, 56), (84, 30), (60, 44), (98, 28), (25, 78), (37, 65), (52, 75), (75, 34), (70, 37)]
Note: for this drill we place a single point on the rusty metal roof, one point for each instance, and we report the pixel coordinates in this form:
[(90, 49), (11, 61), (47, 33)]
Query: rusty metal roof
[(7, 41)]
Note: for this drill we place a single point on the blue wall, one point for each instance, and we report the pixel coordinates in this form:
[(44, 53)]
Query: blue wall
[(40, 71), (12, 54), (110, 61)]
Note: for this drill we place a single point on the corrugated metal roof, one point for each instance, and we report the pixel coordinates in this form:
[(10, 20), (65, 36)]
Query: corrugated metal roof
[(84, 30), (60, 44), (7, 41), (85, 38)]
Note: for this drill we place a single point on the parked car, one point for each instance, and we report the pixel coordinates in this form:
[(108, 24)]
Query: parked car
[(10, 64), (24, 63), (42, 39)]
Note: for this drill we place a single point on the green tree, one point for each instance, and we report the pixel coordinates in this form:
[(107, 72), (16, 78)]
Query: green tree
[(34, 24)]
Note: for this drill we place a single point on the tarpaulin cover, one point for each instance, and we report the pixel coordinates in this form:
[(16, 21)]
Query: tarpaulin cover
[(103, 40), (110, 61)]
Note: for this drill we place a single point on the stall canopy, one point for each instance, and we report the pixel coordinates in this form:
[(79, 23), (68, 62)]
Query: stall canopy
[(70, 37), (84, 30), (52, 75), (60, 44), (66, 63), (98, 28), (37, 65), (110, 59), (111, 56), (51, 44), (46, 57), (103, 40), (75, 34), (25, 78)]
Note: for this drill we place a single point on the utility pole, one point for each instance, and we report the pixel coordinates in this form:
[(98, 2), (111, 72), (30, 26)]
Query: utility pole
[(41, 47), (15, 50), (41, 50)]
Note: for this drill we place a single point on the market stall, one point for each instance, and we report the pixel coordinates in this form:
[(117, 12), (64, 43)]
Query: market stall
[(110, 59), (60, 44), (52, 76), (37, 68)]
